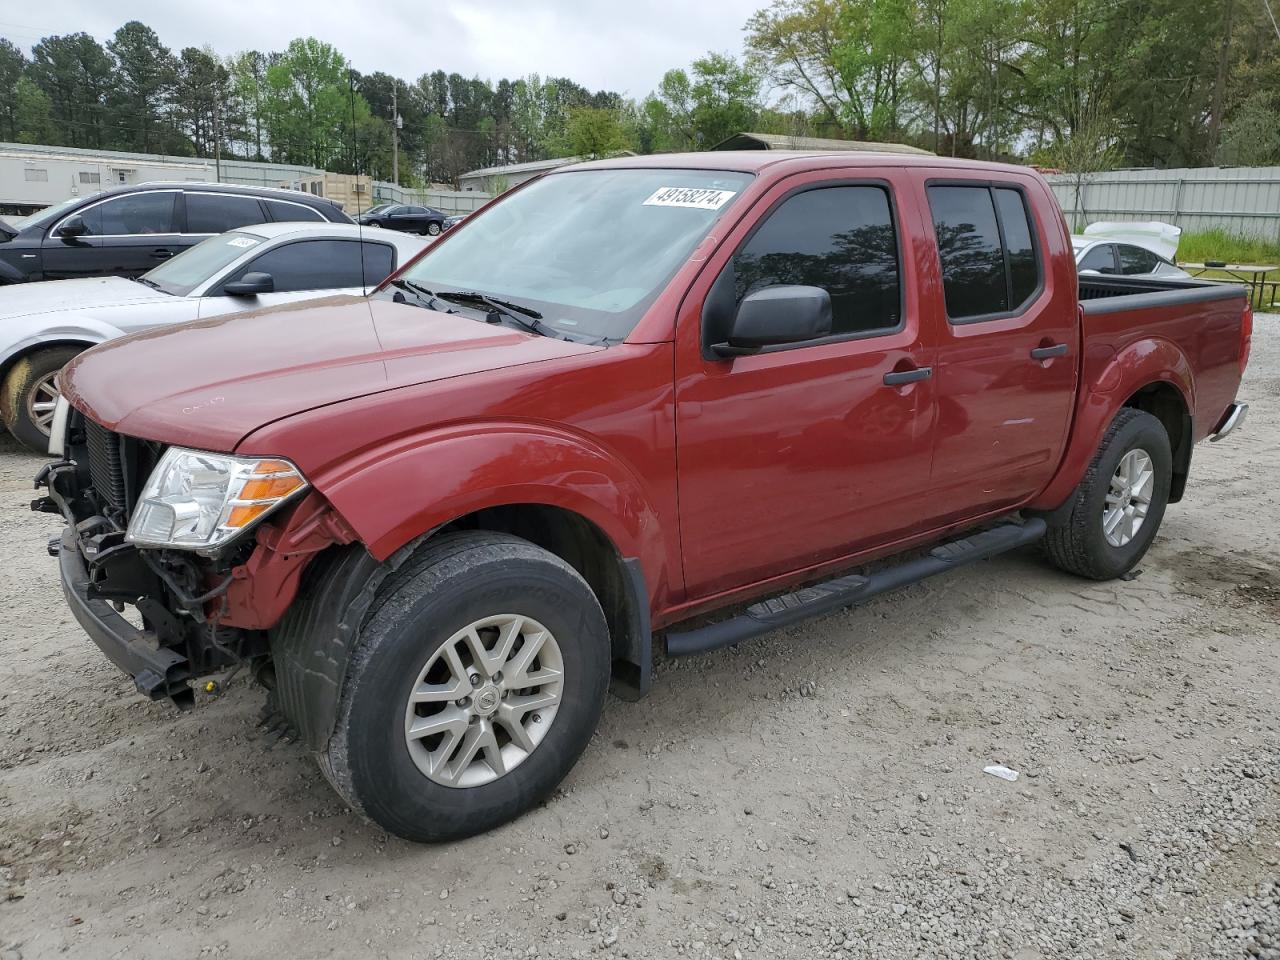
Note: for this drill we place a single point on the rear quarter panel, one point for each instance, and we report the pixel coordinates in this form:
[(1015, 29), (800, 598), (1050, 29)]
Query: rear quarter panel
[(1132, 342)]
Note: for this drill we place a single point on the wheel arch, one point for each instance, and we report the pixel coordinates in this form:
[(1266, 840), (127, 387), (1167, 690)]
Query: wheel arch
[(1151, 374)]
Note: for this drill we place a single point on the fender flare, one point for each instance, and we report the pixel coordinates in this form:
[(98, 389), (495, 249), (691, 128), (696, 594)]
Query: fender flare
[(1140, 364), (466, 467), (84, 335)]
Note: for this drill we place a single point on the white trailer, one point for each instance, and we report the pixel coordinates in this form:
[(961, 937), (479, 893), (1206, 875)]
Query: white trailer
[(33, 179)]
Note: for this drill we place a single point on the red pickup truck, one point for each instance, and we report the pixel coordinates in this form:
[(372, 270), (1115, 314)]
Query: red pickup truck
[(438, 521)]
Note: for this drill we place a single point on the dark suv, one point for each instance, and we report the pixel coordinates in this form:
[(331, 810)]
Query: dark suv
[(127, 231)]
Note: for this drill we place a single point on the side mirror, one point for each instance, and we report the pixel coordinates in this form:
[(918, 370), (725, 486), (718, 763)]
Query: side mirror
[(250, 285), (778, 315), (72, 227)]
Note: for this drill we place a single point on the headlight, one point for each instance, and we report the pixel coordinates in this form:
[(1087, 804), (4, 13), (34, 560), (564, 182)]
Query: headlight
[(200, 501)]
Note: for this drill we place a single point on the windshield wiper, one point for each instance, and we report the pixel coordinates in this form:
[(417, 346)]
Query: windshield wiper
[(150, 283), (428, 297), (523, 316)]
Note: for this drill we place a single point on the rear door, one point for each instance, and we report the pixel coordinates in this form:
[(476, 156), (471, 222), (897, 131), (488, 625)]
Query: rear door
[(127, 235), (1008, 355), (795, 456), (1136, 261), (209, 214)]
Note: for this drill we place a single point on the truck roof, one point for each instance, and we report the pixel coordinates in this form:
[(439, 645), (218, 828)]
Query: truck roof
[(755, 161)]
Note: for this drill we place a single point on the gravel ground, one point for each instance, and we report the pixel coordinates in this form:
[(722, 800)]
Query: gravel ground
[(819, 793)]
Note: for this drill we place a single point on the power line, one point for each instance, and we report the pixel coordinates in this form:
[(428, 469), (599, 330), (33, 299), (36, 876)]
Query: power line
[(1274, 25)]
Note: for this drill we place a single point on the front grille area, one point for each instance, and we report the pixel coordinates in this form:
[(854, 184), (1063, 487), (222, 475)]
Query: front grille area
[(106, 466)]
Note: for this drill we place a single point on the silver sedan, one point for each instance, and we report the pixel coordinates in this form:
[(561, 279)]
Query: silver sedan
[(1113, 258)]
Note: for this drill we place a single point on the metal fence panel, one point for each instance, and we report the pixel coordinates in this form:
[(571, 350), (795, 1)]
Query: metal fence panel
[(1240, 200)]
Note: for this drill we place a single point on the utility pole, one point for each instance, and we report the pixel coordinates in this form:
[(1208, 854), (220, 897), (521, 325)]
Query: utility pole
[(395, 133), (217, 138)]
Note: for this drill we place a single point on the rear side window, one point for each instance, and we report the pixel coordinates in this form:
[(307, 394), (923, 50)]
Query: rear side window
[(311, 265), (284, 212), (1101, 258), (839, 238), (218, 213), (1136, 260), (379, 261), (132, 214), (985, 243)]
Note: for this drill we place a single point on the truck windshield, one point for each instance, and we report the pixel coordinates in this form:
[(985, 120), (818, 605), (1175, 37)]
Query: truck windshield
[(587, 250)]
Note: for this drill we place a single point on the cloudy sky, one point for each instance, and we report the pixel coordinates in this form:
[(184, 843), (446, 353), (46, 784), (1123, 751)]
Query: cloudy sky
[(623, 45)]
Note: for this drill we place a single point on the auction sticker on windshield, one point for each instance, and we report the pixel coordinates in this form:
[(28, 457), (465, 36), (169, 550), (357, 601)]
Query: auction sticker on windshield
[(242, 242), (696, 197)]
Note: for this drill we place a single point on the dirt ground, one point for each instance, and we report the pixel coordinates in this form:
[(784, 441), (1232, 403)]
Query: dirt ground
[(819, 793)]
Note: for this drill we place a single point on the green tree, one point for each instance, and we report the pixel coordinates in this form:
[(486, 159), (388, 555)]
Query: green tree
[(306, 105), (593, 132), (75, 73), (13, 65), (33, 113), (143, 88)]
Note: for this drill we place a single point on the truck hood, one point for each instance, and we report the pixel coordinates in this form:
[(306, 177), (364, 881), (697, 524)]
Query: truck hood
[(210, 383), (90, 293)]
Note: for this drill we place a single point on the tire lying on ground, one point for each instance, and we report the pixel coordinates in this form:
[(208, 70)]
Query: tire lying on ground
[(1119, 505), (476, 682), (29, 392)]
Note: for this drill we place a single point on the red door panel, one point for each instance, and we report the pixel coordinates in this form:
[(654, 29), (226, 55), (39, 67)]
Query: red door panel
[(791, 458), (1003, 414)]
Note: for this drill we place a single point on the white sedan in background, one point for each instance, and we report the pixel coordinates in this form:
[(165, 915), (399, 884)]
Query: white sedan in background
[(1121, 259), (44, 325)]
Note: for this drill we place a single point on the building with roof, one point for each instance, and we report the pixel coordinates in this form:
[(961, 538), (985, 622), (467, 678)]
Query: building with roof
[(779, 141)]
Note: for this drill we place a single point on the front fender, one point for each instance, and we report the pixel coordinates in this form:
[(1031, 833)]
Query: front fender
[(1108, 380), (393, 493), (23, 335)]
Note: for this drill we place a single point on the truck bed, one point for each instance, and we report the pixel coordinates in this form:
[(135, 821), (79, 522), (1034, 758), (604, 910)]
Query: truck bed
[(1154, 291)]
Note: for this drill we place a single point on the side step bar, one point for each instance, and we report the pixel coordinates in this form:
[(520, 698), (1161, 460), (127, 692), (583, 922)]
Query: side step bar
[(832, 595)]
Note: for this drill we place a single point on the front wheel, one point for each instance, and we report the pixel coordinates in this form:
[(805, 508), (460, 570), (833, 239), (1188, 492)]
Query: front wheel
[(476, 683), (30, 395), (1120, 503)]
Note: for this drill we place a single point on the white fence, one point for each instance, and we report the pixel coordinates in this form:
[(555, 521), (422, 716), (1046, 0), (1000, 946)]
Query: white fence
[(1241, 200)]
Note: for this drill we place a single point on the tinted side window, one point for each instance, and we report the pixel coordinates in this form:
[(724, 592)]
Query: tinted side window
[(379, 261), (282, 212), (1101, 258), (1136, 260), (973, 274), (987, 249), (218, 213), (1024, 273), (309, 265), (135, 213), (839, 238)]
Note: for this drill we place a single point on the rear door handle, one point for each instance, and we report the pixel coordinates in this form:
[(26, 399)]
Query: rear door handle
[(898, 377), (1048, 353), (160, 253)]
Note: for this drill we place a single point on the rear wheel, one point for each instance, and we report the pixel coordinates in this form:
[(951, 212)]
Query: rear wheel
[(476, 683), (433, 228), (30, 395), (1120, 503)]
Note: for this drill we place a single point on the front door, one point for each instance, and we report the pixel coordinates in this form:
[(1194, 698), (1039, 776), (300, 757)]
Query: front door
[(795, 456), (1008, 350), (125, 237)]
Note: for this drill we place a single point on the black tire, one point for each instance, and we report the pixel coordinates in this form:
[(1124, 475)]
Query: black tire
[(1080, 545), (433, 229), (19, 385), (451, 582)]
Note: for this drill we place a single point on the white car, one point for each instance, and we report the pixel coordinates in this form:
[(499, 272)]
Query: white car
[(44, 325), (1111, 257)]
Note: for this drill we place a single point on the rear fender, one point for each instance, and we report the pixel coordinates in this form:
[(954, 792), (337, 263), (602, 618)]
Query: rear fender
[(1103, 393), (394, 493)]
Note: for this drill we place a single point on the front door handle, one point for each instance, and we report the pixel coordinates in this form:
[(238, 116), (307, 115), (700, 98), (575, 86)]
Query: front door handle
[(160, 253), (1048, 353), (898, 377)]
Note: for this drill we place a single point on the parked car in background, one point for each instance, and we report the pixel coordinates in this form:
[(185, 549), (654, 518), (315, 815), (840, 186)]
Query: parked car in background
[(1112, 258), (127, 231), (453, 221), (405, 217), (44, 325), (437, 522)]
